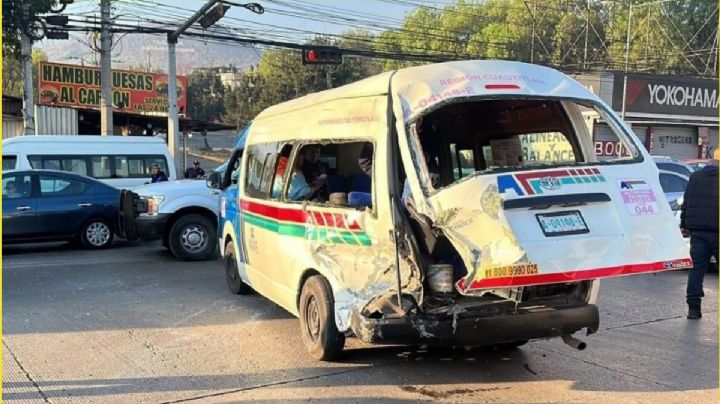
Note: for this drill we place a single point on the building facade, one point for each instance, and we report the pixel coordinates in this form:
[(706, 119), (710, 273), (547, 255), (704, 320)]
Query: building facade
[(673, 116)]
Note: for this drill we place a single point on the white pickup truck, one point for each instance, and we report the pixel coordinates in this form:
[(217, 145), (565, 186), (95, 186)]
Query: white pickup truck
[(183, 214)]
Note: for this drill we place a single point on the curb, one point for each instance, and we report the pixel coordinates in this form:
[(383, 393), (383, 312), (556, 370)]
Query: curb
[(211, 158)]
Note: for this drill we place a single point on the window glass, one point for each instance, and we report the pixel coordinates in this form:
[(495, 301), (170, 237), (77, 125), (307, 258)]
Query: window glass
[(121, 167), (8, 162), (463, 161), (136, 168), (672, 183), (53, 186), (676, 168), (51, 164), (75, 165), (101, 166), (35, 162), (261, 157), (16, 186)]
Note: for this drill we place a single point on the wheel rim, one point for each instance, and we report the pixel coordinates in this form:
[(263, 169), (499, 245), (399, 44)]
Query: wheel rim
[(194, 238), (97, 234), (312, 318)]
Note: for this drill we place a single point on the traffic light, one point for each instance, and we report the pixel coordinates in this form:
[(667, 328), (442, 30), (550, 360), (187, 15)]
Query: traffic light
[(322, 56)]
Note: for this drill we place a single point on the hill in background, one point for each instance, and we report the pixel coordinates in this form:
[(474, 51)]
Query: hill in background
[(150, 52)]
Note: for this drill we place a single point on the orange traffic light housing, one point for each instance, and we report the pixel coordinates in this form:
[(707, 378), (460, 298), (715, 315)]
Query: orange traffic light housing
[(321, 56)]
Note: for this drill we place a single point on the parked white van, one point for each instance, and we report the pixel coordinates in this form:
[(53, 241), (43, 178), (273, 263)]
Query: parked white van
[(485, 216), (119, 161)]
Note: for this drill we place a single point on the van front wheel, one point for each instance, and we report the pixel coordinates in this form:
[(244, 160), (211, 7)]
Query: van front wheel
[(319, 332), (232, 276)]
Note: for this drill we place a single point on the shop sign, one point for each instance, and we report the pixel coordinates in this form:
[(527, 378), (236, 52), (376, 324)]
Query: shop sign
[(665, 95)]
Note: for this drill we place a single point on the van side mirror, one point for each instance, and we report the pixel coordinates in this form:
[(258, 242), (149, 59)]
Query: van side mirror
[(214, 180)]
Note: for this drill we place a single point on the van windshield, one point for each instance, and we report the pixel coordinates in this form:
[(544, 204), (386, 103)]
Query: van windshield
[(491, 136)]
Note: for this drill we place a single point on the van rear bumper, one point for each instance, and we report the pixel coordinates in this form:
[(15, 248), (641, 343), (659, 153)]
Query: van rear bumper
[(477, 330)]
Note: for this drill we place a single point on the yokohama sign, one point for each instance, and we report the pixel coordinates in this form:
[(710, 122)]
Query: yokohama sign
[(664, 95)]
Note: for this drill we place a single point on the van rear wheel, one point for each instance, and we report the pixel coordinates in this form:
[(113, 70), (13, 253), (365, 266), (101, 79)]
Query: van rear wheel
[(319, 332), (232, 276)]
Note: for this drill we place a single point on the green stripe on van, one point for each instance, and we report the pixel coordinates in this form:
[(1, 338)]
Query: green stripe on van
[(317, 233)]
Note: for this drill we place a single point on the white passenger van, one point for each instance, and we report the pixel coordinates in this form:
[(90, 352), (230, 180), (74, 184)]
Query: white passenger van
[(119, 161), (507, 223)]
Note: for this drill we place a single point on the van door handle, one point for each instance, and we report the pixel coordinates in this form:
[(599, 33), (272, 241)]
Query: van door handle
[(84, 205), (23, 208), (214, 192)]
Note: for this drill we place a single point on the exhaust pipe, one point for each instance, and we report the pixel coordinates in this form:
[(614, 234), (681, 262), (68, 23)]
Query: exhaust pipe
[(574, 342)]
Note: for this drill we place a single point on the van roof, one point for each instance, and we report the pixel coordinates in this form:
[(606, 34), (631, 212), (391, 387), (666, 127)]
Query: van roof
[(74, 139), (515, 78)]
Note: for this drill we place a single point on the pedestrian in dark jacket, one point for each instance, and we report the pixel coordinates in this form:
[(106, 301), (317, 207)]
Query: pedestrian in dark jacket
[(156, 175), (195, 171), (699, 220)]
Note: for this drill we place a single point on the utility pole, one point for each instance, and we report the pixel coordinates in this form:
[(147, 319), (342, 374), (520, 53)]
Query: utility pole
[(587, 29), (26, 57), (173, 118), (106, 104), (172, 38)]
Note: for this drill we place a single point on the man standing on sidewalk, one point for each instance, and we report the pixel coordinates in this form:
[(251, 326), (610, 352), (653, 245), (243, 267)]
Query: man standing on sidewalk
[(699, 220)]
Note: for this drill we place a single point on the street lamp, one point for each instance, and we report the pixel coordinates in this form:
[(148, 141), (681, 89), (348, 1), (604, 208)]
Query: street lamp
[(208, 19), (627, 47)]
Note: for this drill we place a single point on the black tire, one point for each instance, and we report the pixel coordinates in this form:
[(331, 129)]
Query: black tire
[(319, 332), (232, 277), (96, 234), (193, 238)]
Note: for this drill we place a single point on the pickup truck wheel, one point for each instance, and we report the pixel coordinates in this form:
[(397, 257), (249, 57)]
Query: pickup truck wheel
[(193, 238), (232, 276), (319, 332), (96, 234)]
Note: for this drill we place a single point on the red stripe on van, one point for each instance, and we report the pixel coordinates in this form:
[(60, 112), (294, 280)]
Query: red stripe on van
[(335, 220), (502, 87), (571, 276)]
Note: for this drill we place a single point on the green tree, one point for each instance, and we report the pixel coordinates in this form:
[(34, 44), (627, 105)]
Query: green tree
[(13, 18), (205, 96), (13, 76)]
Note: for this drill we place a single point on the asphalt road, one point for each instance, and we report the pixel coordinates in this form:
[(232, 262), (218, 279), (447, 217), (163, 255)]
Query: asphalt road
[(132, 324)]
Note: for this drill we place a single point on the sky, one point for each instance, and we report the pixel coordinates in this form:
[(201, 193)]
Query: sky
[(389, 11)]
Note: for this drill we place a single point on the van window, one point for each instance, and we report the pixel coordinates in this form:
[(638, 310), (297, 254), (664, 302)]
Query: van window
[(101, 166), (491, 136), (260, 169), (344, 169), (75, 165), (9, 162)]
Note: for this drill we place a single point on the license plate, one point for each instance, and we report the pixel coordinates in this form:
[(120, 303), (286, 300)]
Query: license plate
[(562, 223)]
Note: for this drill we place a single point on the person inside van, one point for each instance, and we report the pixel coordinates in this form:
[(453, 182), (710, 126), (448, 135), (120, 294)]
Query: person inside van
[(279, 174), (313, 169), (299, 188), (358, 198), (156, 175)]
